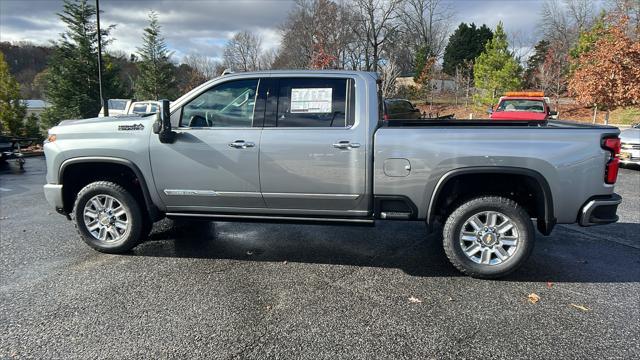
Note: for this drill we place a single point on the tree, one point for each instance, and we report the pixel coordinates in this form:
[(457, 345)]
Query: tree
[(12, 110), (314, 30), (71, 81), (496, 70), (608, 76), (377, 23), (242, 51), (427, 21), (156, 80), (465, 44)]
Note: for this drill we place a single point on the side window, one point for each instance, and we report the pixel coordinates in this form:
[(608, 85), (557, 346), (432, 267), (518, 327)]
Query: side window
[(315, 102), (153, 108), (139, 108), (408, 107), (230, 104)]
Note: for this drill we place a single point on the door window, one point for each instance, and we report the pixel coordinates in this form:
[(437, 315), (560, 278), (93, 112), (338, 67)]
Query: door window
[(230, 104), (315, 102)]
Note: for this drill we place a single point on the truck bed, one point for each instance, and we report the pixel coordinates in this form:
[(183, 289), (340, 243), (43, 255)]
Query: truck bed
[(493, 123)]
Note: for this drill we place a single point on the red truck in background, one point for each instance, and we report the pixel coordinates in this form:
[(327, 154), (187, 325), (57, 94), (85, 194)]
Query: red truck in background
[(523, 105)]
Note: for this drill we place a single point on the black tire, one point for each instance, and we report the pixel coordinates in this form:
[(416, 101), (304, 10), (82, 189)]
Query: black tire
[(137, 223), (452, 232)]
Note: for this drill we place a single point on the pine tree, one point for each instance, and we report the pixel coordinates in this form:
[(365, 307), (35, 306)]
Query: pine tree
[(12, 109), (71, 82), (496, 70), (465, 44), (156, 80)]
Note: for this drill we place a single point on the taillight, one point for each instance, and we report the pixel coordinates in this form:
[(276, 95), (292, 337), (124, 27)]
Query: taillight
[(611, 170), (385, 117)]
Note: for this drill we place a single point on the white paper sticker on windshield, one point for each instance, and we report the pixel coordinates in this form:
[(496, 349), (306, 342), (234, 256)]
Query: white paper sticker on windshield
[(311, 100)]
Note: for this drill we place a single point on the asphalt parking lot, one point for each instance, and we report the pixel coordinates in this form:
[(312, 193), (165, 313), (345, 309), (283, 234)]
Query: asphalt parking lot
[(246, 290)]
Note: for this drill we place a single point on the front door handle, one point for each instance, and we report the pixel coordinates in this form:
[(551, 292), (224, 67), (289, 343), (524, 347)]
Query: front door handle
[(346, 145), (241, 144)]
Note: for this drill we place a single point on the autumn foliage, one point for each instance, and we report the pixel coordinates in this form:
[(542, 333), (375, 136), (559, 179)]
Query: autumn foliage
[(608, 75)]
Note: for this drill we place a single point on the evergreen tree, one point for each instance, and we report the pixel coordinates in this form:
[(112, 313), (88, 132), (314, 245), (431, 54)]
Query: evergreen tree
[(465, 44), (156, 80), (535, 61), (496, 70), (71, 82), (12, 109)]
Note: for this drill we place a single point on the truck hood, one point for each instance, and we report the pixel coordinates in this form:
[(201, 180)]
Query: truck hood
[(111, 119), (517, 115)]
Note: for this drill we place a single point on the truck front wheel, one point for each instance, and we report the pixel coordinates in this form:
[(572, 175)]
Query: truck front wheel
[(108, 217), (488, 237)]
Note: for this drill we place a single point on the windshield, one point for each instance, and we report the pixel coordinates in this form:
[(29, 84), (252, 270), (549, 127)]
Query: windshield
[(521, 105)]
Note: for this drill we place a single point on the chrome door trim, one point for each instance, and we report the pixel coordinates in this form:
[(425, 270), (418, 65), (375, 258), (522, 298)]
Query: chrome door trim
[(189, 192), (311, 196)]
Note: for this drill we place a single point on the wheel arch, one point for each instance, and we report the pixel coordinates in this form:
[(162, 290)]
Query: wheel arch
[(543, 202), (81, 162)]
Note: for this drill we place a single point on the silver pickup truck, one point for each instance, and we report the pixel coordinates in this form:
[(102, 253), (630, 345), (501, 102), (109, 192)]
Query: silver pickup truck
[(311, 146)]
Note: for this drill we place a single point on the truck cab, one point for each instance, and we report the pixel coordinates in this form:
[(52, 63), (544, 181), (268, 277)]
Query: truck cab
[(523, 106)]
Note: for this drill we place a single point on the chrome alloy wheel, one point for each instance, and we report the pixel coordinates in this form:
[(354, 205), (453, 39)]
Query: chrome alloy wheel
[(105, 218), (489, 238)]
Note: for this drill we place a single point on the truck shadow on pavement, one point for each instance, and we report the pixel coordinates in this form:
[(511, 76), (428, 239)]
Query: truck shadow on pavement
[(566, 256)]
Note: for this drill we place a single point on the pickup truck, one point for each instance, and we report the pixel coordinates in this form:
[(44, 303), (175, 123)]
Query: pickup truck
[(311, 146), (523, 105)]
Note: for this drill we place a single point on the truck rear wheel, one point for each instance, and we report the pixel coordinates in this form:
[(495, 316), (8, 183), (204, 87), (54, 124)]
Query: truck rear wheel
[(488, 237), (108, 217)]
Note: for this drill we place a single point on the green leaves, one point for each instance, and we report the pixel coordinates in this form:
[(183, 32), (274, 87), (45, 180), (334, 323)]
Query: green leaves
[(465, 44), (71, 82), (496, 70), (12, 110), (156, 80)]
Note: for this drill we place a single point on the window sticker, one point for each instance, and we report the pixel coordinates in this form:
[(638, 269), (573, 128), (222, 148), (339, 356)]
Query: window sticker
[(311, 100)]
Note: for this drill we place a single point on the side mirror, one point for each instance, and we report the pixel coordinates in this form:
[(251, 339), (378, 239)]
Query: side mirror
[(553, 113), (162, 126)]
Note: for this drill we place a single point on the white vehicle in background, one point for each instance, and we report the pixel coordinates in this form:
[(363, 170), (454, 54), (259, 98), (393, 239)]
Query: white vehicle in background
[(630, 139), (144, 107), (117, 107), (130, 106)]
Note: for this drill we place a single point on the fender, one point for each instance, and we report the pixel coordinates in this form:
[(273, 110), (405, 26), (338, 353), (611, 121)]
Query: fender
[(545, 224), (154, 212)]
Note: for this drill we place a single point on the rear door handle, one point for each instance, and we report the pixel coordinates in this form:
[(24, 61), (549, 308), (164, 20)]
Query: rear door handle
[(345, 145), (241, 144)]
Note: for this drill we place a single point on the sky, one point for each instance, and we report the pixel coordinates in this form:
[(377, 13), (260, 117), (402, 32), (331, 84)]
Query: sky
[(204, 26)]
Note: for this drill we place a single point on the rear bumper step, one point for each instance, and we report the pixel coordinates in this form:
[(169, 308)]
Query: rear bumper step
[(600, 211)]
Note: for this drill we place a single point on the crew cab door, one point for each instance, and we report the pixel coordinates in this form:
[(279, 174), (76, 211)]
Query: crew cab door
[(213, 163), (313, 152)]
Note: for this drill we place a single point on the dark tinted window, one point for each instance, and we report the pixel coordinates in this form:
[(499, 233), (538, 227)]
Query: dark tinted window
[(230, 104), (315, 102)]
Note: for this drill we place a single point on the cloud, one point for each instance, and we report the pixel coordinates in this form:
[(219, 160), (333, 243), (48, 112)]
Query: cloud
[(188, 26)]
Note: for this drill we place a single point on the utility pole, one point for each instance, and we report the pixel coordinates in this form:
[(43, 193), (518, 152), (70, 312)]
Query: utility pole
[(105, 102)]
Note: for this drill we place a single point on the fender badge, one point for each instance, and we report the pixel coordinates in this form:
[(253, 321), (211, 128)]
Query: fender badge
[(130, 127)]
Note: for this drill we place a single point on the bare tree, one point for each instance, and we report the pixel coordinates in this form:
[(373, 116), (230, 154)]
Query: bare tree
[(242, 52), (630, 9), (205, 66), (313, 29), (427, 21), (377, 22), (389, 73), (564, 20)]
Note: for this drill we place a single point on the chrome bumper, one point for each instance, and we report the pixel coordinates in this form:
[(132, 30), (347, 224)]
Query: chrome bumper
[(600, 211), (53, 194)]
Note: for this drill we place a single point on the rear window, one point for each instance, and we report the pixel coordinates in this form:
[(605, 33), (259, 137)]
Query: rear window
[(315, 102), (116, 104), (521, 105)]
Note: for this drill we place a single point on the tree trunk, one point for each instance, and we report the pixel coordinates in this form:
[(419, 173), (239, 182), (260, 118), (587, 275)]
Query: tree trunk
[(595, 113), (606, 117)]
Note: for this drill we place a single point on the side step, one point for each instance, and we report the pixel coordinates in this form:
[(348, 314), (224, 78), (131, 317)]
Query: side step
[(277, 218)]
